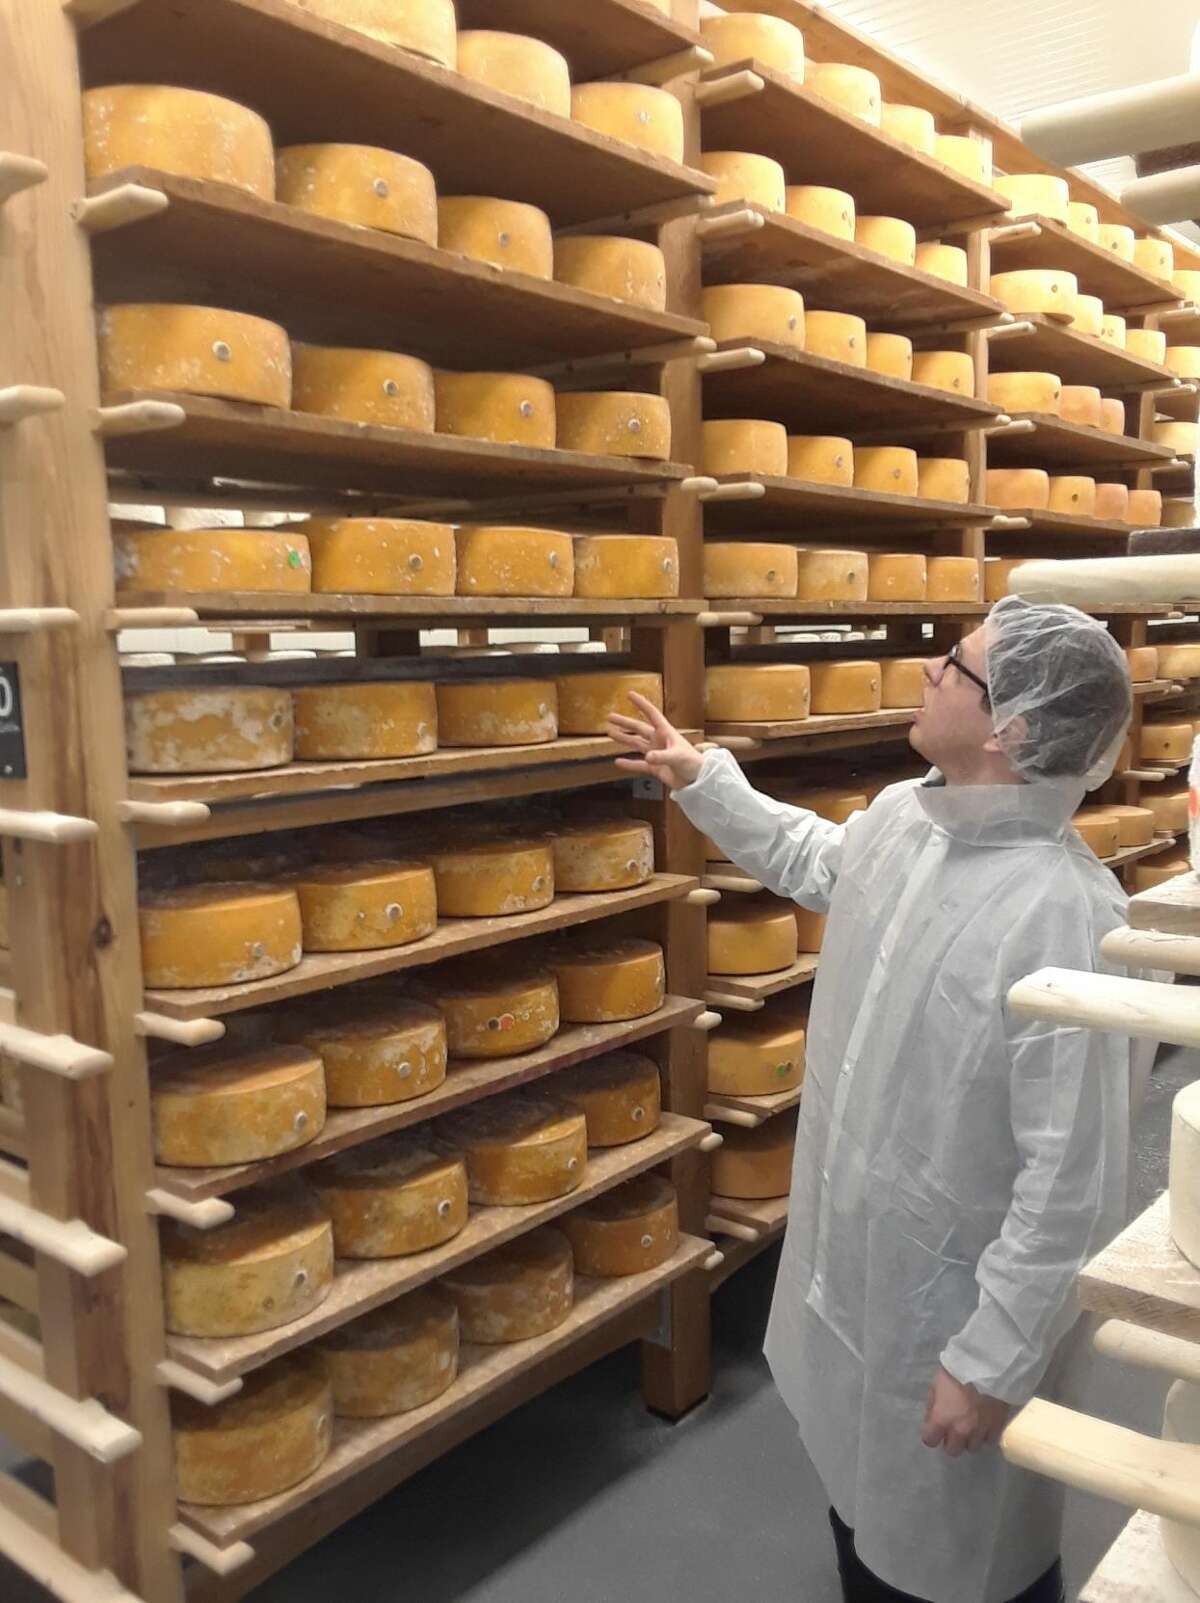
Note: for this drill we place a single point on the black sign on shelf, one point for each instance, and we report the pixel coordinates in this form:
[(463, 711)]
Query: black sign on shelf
[(12, 727)]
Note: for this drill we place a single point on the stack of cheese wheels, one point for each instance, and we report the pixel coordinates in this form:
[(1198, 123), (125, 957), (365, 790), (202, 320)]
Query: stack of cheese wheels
[(903, 682), (361, 185), (602, 854), (365, 721), (1112, 502), (426, 29), (522, 1289), (854, 89), (507, 408), (394, 1196), (503, 233), (1083, 220), (651, 119), (387, 1053), (607, 264), (586, 701), (1100, 829), (626, 1231), (964, 155), (943, 261), (745, 445), (272, 1435), (1145, 509), (395, 1358), (1080, 403), (757, 693), (493, 878), (516, 65), (1026, 392), (911, 125), (1044, 290), (494, 1010), (378, 556), (620, 1095), (518, 1149), (754, 311), (839, 688), (497, 712), (749, 568), (890, 354), (820, 458), (751, 936), (365, 906), (1021, 488), (1158, 870), (615, 567), (889, 236), (199, 561), (210, 731), (897, 576), (213, 1106), (194, 350), (1143, 663), (382, 388), (271, 1264), (1166, 740), (831, 211), (1178, 661), (954, 579), (615, 423), (1035, 195), (769, 41), (1148, 343), (837, 336), (177, 131), (943, 478), (755, 1164), (218, 934), (1170, 808), (605, 981), (890, 468), (952, 371), (746, 178), (762, 1055)]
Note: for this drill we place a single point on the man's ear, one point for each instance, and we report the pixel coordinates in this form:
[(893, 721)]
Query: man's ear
[(1009, 739)]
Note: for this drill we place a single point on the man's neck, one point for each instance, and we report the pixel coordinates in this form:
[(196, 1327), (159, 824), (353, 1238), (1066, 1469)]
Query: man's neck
[(979, 768)]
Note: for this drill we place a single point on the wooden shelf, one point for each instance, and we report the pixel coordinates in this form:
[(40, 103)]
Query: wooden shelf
[(819, 143), (1119, 284), (837, 273), (453, 938), (785, 502), (1065, 525), (761, 1108), (1054, 444), (811, 394), (1076, 358), (801, 728), (1136, 1569), (326, 81), (785, 607), (1142, 1277), (1177, 481), (1181, 403), (431, 612), (601, 39), (466, 1081), (767, 1215), (224, 247), (1134, 854), (267, 444), (737, 1254), (757, 987), (357, 1444)]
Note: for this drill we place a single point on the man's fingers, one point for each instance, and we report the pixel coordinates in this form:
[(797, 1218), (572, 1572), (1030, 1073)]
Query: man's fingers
[(661, 723), (633, 765), (932, 1432), (631, 726), (955, 1443)]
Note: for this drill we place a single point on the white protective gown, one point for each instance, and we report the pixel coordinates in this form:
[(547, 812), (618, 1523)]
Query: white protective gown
[(955, 1165)]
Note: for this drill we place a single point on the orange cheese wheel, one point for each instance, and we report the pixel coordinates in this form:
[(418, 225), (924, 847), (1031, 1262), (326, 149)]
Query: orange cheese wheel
[(219, 934), (837, 336), (831, 211), (1143, 663), (754, 311), (507, 408), (760, 692), (943, 478), (522, 1148), (911, 125), (615, 423), (1156, 871), (1114, 329), (890, 354), (749, 568), (496, 1012), (1145, 508), (897, 576), (1187, 282), (650, 119), (218, 730), (889, 236), (1170, 809), (393, 1196), (1166, 740), (903, 681), (361, 185), (758, 1056), (995, 576), (517, 65), (378, 1055), (1181, 437), (1034, 194), (1026, 392), (521, 1290), (626, 1231), (1089, 315), (195, 350), (504, 233), (358, 386), (213, 1107), (607, 854), (1135, 825), (587, 700), (629, 270), (745, 177), (891, 468), (771, 41), (952, 371), (1036, 289), (1112, 415), (745, 445), (751, 937), (1154, 256), (364, 907), (365, 721), (831, 575), (1083, 220), (609, 981), (511, 560), (1148, 343), (273, 1434), (1073, 493), (810, 930), (1184, 360), (1018, 488), (1080, 403), (755, 1163), (177, 131), (820, 459), (1177, 661), (845, 687), (854, 89), (964, 155), (1118, 239), (942, 261), (615, 567), (620, 1094), (379, 556), (200, 560), (395, 1358), (494, 878), (497, 712), (1099, 829), (426, 27), (953, 579), (825, 800)]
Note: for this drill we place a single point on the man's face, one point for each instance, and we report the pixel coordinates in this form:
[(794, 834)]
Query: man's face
[(955, 721)]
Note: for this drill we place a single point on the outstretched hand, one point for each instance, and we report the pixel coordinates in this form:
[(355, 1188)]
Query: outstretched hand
[(663, 753)]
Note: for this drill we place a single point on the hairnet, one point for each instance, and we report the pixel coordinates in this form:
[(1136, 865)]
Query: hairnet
[(1060, 691)]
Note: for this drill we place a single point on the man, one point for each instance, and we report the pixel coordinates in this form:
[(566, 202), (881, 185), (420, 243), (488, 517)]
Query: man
[(955, 1165)]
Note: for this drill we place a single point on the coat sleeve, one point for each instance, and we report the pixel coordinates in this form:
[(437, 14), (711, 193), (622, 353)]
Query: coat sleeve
[(789, 849)]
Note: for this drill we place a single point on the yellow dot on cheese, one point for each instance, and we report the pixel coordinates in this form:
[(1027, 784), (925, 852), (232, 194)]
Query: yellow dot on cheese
[(625, 566), (509, 408), (889, 236), (953, 371), (757, 692), (274, 1433), (522, 1289), (394, 1196), (384, 1054), (1034, 194), (495, 1011), (1089, 315), (517, 65), (506, 233), (650, 119), (207, 731), (629, 270), (892, 468), (1166, 740), (755, 311), (748, 568), (512, 560), (395, 1358), (426, 27), (1181, 437), (854, 89), (177, 131), (1148, 343), (497, 712), (1187, 282), (943, 478), (620, 1094), (218, 934), (755, 1163), (586, 700), (1184, 360), (212, 1108), (897, 576), (1112, 502), (518, 1149), (1118, 239), (626, 1231), (206, 560), (609, 854), (1154, 256), (1037, 289), (839, 688), (1179, 512), (360, 386), (364, 907), (745, 445), (1158, 869), (1170, 808), (820, 458), (615, 423), (995, 576), (890, 354), (1018, 487), (362, 185), (1143, 662), (745, 177), (364, 721), (609, 981), (1026, 392), (954, 579), (1145, 508), (810, 929), (1112, 415), (903, 681), (380, 556), (911, 125), (493, 878), (825, 800), (1073, 493), (817, 206), (751, 37), (758, 1056), (833, 575), (195, 350), (748, 936), (270, 1264), (1099, 829), (838, 336), (1083, 220), (964, 155)]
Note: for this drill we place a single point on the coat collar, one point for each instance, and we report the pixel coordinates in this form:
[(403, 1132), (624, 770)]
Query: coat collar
[(999, 815)]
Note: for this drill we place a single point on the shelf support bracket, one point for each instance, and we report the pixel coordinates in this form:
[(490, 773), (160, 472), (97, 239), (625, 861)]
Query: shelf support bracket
[(180, 1032), (731, 361), (204, 1215), (729, 225), (117, 208), (50, 829), (20, 172), (67, 1241), (733, 86), (178, 1377), (137, 417), (220, 1560), (746, 490)]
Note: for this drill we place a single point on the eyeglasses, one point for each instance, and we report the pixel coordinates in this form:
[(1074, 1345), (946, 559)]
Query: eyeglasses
[(954, 660)]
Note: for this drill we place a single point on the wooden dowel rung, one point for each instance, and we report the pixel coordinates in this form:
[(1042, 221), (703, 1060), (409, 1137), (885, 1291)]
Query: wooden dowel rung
[(180, 1378), (138, 417), (730, 361), (714, 1261), (168, 815), (733, 86), (1153, 949), (86, 1423), (704, 897), (728, 620), (1015, 231), (1004, 331), (203, 1215), (1000, 523), (747, 490), (1149, 1349), (56, 1054), (30, 620), (180, 1032), (715, 1113), (20, 172), (708, 1020), (220, 1560), (694, 59), (37, 1552), (736, 742), (718, 1226), (728, 225), (1022, 425), (52, 829), (67, 1241), (118, 618), (21, 401), (117, 208), (738, 1004), (1142, 1008), (711, 1141)]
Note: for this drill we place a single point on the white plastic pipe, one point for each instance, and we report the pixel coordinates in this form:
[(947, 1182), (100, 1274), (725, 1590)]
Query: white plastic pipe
[(1121, 122), (1172, 197)]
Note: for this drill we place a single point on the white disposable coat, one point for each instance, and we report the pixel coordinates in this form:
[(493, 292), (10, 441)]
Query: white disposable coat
[(955, 1165)]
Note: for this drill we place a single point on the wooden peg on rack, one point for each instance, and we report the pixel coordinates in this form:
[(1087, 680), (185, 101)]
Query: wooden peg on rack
[(746, 1121), (711, 1141), (220, 1560), (1149, 1349), (718, 1226), (117, 208), (50, 829), (733, 86), (118, 618), (1028, 230), (737, 742), (705, 1021), (178, 1377), (738, 1004), (20, 172), (86, 1423), (1003, 522), (206, 1214), (21, 401), (137, 417), (728, 620), (180, 1032), (56, 1054), (731, 361), (728, 225), (656, 73), (1006, 331), (702, 898), (67, 1241), (698, 484), (713, 1262), (1010, 427), (746, 490), (167, 815), (32, 620)]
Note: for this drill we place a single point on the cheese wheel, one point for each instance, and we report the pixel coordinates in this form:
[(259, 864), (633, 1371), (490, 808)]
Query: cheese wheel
[(518, 1149), (504, 233), (512, 560), (1184, 360), (760, 692), (995, 576), (1135, 825), (1177, 661), (1170, 809), (364, 907), (373, 1057), (361, 185), (892, 468), (837, 336), (587, 700), (854, 89), (177, 131), (1112, 415), (890, 354), (517, 65), (1148, 343), (273, 1434), (1154, 256), (943, 261), (964, 155), (623, 566), (953, 579), (1181, 437), (651, 119), (897, 576), (747, 178), (605, 854), (605, 983), (620, 1094), (1037, 289), (838, 806), (1073, 493), (426, 27), (615, 423), (1034, 195), (845, 687), (911, 125), (1179, 512), (748, 568), (218, 934), (1166, 740), (509, 408), (1083, 220), (214, 731), (751, 937), (903, 681), (831, 575), (943, 478), (1143, 663), (1112, 502), (1187, 282), (364, 721), (198, 561), (395, 1358), (1116, 238), (493, 879), (820, 458), (497, 712), (626, 1231), (758, 1056), (755, 1163), (1026, 392), (380, 556), (607, 264), (745, 445), (754, 311), (195, 350), (953, 371), (379, 387), (831, 211), (1155, 871), (394, 1196), (889, 236), (1099, 830), (1018, 488), (521, 1290), (769, 41), (1089, 315), (1145, 508), (810, 930), (212, 1108), (1113, 329)]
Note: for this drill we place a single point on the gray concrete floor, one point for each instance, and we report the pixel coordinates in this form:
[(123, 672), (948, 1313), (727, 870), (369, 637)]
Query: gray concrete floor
[(582, 1493)]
